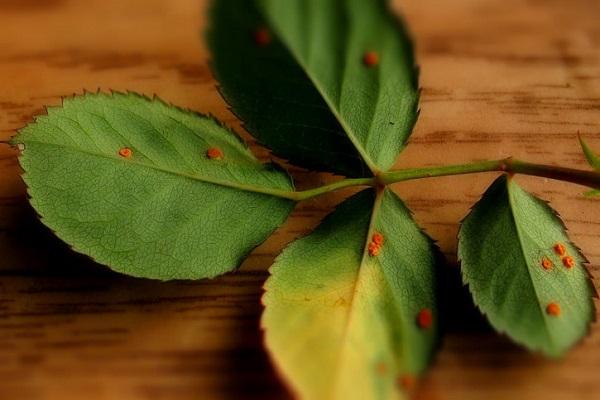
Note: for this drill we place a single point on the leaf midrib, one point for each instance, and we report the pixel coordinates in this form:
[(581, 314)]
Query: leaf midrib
[(521, 248), (247, 188), (351, 312), (349, 132)]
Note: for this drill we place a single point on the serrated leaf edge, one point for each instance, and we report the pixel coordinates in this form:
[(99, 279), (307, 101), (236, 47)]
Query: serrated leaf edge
[(114, 94), (585, 263)]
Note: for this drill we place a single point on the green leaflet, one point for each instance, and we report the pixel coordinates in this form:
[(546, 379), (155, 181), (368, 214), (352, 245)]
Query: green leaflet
[(502, 244), (340, 323), (594, 161), (592, 158), (168, 211), (307, 94)]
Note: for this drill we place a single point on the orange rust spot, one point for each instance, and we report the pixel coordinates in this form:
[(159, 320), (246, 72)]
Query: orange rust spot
[(560, 249), (262, 37), (214, 153), (425, 318), (553, 309), (377, 238), (568, 262), (125, 152), (371, 58), (375, 244), (407, 381), (546, 263), (381, 368), (374, 249)]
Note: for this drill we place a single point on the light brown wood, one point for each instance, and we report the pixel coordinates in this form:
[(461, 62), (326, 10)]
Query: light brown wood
[(499, 78)]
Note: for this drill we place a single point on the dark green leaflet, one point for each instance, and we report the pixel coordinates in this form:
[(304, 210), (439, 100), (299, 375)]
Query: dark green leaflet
[(307, 94)]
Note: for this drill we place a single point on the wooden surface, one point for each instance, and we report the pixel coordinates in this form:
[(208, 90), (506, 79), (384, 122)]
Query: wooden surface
[(499, 78)]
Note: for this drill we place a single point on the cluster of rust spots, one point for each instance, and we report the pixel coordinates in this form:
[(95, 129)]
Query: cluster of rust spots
[(375, 244), (561, 251), (125, 152), (425, 318), (262, 37), (214, 153), (567, 260), (553, 309), (371, 59)]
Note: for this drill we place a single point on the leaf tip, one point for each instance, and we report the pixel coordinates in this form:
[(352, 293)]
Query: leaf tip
[(592, 159)]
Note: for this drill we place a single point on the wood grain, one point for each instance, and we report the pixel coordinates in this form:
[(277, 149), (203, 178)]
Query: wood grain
[(499, 77)]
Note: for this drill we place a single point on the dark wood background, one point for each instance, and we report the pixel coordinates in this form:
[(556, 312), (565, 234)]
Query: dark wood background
[(499, 78)]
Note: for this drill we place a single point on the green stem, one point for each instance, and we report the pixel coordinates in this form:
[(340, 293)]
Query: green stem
[(508, 165), (344, 183), (459, 169)]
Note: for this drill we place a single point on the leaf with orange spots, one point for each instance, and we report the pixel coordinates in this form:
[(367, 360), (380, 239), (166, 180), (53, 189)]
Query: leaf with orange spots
[(523, 271), (341, 323), (335, 88), (149, 189)]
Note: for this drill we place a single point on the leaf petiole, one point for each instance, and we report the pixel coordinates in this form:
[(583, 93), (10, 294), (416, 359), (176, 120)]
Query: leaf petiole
[(331, 187)]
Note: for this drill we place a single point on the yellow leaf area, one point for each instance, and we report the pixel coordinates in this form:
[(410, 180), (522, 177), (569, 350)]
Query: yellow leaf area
[(350, 309)]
